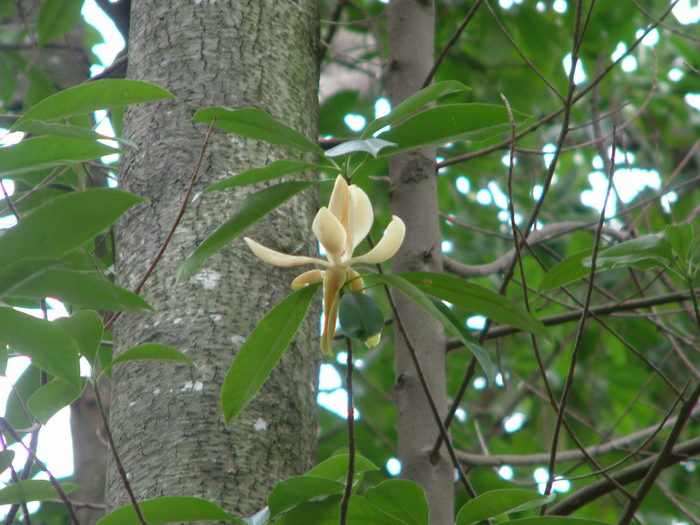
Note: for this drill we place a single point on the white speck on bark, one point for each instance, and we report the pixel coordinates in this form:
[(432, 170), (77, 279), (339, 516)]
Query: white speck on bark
[(156, 391), (208, 278), (237, 339), (260, 424), (177, 320), (215, 317)]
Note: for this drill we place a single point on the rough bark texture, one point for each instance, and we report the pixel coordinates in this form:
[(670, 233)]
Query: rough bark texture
[(167, 419), (414, 199)]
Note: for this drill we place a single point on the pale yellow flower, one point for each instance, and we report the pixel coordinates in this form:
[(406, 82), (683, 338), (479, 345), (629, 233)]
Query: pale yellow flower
[(339, 228)]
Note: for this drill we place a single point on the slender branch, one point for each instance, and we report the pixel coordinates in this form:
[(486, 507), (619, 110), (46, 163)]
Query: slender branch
[(351, 435)]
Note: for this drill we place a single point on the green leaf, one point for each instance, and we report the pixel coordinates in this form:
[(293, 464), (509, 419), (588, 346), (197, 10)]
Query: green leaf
[(274, 170), (472, 344), (38, 127), (413, 103), (401, 499), (557, 520), (49, 347), (360, 317), (170, 509), (63, 224), (336, 467), (371, 146), (87, 98), (643, 252), (6, 457), (326, 512), (37, 153), (17, 273), (149, 352), (16, 413), (51, 398), (86, 329), (56, 18), (257, 124), (566, 271), (477, 299), (32, 490), (292, 491), (262, 350), (253, 208), (497, 502), (680, 237), (439, 125)]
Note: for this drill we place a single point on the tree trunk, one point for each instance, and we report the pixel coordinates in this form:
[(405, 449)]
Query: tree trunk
[(167, 419), (414, 199)]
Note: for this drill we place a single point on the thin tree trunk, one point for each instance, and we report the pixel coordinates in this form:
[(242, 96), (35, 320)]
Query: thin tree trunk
[(167, 419), (414, 199)]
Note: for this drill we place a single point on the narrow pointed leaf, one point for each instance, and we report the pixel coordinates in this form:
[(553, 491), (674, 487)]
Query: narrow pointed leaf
[(32, 490), (360, 317), (86, 329), (63, 224), (51, 398), (38, 153), (257, 124), (326, 512), (566, 271), (262, 350), (38, 127), (149, 352), (170, 509), (274, 170), (292, 491), (497, 502), (56, 18), (86, 98), (557, 520), (680, 237), (477, 299), (253, 208), (414, 103), (401, 499), (16, 273), (371, 146), (643, 252), (6, 457), (336, 467)]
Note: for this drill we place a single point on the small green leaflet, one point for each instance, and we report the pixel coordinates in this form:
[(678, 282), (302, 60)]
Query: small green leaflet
[(497, 502), (32, 490), (262, 350), (566, 271), (52, 397), (296, 490), (360, 317), (401, 499), (643, 252), (336, 467), (170, 509)]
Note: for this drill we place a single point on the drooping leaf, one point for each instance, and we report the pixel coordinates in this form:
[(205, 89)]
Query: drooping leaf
[(680, 237), (48, 346), (477, 299), (326, 512), (63, 224), (38, 127), (336, 467), (401, 499), (149, 352), (414, 103), (17, 273), (274, 170), (359, 316), (497, 502), (32, 490), (296, 490), (557, 520), (87, 98), (37, 153), (56, 18), (439, 125), (86, 329), (257, 124), (262, 350), (6, 457), (642, 252), (51, 398), (566, 271), (16, 413), (253, 208), (170, 509), (371, 146)]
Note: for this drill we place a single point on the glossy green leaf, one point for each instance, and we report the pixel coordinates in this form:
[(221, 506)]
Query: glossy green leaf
[(16, 413), (680, 237), (253, 208), (274, 170), (262, 350), (296, 490), (38, 127), (643, 252), (371, 146), (37, 153), (32, 490), (6, 457), (48, 346), (414, 103), (557, 520), (170, 509), (360, 317), (56, 18), (497, 502), (51, 398), (477, 299), (401, 499), (327, 512), (17, 273), (439, 125), (86, 329), (566, 271), (63, 224), (149, 352), (87, 98), (336, 467), (257, 124)]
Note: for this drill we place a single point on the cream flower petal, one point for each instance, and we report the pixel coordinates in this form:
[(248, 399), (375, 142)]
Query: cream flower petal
[(307, 278), (331, 234), (333, 281), (276, 258), (387, 245), (338, 203), (361, 216)]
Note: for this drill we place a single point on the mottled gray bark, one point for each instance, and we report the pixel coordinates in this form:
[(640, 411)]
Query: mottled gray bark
[(167, 419), (414, 199)]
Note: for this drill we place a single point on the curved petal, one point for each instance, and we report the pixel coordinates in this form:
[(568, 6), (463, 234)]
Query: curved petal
[(338, 203), (330, 233), (307, 278), (386, 247), (356, 282), (333, 281), (361, 216), (276, 258)]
